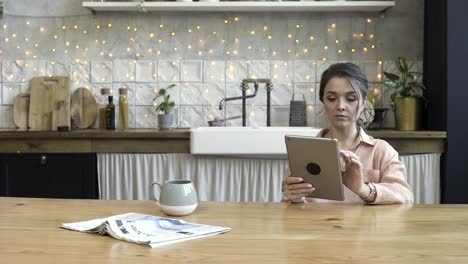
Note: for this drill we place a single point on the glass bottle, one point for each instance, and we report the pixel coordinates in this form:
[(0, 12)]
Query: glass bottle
[(102, 109), (110, 114), (123, 109)]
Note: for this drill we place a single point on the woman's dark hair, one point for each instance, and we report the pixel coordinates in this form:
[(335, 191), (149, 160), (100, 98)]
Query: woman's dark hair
[(351, 72)]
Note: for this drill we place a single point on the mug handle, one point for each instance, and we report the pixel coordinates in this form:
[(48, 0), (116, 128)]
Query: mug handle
[(160, 188)]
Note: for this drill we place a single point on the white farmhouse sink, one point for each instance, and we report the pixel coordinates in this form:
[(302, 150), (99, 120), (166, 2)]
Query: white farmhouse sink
[(263, 141)]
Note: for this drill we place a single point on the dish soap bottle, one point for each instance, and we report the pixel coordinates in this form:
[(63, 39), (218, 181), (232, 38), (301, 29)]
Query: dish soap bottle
[(110, 114), (123, 109)]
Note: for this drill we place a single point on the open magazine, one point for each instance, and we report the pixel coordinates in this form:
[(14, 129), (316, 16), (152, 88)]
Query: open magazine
[(145, 229)]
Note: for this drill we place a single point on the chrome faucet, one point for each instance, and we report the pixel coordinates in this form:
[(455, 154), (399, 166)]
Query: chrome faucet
[(244, 87)]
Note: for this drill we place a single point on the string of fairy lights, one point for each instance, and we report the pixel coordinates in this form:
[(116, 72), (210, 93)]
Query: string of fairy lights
[(36, 42)]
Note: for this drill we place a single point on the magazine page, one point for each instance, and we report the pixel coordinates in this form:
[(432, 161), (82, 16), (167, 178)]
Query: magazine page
[(157, 231), (146, 229), (91, 226)]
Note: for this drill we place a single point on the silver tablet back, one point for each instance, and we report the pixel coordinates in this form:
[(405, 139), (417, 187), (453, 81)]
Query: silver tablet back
[(316, 160)]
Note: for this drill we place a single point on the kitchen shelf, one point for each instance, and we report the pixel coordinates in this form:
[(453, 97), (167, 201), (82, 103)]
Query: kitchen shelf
[(244, 6)]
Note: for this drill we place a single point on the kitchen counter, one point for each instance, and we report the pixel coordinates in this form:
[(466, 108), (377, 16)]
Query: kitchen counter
[(171, 141), (96, 141)]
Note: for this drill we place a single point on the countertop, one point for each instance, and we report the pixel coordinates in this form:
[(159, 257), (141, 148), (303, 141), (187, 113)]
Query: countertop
[(171, 141), (178, 133)]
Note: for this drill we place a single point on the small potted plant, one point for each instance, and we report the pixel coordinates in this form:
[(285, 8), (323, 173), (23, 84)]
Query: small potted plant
[(164, 108), (407, 98)]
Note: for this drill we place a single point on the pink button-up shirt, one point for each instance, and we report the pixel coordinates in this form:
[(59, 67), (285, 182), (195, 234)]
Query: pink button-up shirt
[(382, 167)]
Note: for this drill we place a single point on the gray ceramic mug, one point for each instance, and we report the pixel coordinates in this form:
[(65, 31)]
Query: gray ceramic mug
[(176, 197)]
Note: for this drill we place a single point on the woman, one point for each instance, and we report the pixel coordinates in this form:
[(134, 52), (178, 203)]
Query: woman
[(372, 172)]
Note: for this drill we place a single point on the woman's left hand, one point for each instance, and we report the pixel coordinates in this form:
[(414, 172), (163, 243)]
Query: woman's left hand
[(353, 176)]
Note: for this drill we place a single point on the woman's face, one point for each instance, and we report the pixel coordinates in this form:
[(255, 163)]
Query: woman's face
[(341, 103)]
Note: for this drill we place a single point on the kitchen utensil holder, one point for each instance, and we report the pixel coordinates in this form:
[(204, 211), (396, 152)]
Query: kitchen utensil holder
[(298, 112)]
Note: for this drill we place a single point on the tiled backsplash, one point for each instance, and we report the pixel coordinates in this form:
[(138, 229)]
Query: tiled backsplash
[(201, 84), (205, 54)]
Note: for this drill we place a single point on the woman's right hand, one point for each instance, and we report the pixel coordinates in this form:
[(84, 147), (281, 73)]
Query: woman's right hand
[(295, 190)]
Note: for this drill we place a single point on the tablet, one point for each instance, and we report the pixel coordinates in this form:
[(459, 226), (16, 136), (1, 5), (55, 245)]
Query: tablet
[(316, 160)]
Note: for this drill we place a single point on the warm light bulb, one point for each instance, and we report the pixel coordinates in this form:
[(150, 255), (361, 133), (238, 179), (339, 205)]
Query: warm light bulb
[(225, 21)]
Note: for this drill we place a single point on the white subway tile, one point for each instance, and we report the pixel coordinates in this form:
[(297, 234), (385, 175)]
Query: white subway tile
[(145, 93), (101, 71), (258, 69), (123, 71), (191, 93), (304, 71), (191, 71), (236, 71), (168, 71), (214, 71), (146, 71)]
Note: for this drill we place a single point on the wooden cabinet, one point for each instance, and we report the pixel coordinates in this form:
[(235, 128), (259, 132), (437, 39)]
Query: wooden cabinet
[(49, 175)]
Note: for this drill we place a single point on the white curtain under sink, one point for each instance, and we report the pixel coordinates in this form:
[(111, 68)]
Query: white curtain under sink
[(129, 176)]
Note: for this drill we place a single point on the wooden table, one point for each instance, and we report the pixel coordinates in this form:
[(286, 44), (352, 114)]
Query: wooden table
[(261, 233)]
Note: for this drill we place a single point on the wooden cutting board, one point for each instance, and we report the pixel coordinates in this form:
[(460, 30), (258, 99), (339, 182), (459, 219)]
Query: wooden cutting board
[(83, 108), (50, 103), (21, 111)]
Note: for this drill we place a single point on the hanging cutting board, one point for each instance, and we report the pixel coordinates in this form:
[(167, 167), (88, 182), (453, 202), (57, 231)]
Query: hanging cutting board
[(21, 111), (49, 106), (83, 108)]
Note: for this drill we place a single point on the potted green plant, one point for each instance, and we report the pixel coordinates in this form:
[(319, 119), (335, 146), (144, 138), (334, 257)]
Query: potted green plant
[(407, 97), (164, 108)]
